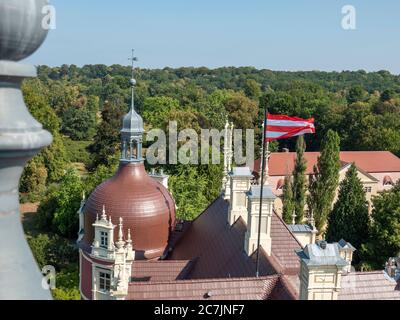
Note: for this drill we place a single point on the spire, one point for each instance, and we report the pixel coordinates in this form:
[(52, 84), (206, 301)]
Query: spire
[(121, 241), (132, 127), (103, 215)]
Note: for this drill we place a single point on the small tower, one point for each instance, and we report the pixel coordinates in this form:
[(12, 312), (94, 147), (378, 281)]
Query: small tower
[(132, 129), (321, 271), (240, 179), (253, 208)]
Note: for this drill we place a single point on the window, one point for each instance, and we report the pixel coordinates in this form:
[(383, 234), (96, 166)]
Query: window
[(368, 189), (103, 239), (104, 281), (263, 225)]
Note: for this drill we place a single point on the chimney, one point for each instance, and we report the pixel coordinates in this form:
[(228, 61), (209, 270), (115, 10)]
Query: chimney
[(321, 268), (253, 208), (392, 268), (346, 252), (240, 179)]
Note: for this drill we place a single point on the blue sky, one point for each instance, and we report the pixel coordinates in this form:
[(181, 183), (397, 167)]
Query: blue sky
[(277, 35)]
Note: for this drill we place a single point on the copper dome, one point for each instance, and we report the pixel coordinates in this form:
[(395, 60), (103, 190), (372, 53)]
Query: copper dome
[(147, 209)]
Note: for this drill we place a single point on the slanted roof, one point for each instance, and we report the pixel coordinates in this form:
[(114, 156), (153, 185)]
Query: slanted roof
[(346, 245), (374, 285), (241, 172), (160, 270), (300, 228), (282, 163), (212, 289), (284, 244), (319, 255), (217, 247)]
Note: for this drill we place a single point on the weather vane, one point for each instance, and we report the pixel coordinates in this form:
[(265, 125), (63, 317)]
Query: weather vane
[(133, 59)]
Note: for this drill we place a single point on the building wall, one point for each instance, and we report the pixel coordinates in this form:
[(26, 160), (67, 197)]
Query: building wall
[(376, 187)]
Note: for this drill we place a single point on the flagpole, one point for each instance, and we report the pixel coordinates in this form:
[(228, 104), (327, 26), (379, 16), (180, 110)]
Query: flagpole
[(264, 160)]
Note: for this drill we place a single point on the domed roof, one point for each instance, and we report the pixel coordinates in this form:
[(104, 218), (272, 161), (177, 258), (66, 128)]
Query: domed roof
[(147, 209), (132, 123)]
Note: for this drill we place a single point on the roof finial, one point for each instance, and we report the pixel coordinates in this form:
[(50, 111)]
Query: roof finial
[(294, 217), (133, 59), (120, 242), (104, 216), (129, 241)]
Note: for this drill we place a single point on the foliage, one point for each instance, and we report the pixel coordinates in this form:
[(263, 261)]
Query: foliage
[(79, 123), (58, 211), (67, 284), (54, 156), (107, 140), (324, 180), (189, 190), (349, 219), (384, 240), (299, 180), (287, 199), (76, 151), (51, 249)]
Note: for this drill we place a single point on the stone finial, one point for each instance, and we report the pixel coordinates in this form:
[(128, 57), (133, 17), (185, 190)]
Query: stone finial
[(120, 243), (21, 137), (103, 215)]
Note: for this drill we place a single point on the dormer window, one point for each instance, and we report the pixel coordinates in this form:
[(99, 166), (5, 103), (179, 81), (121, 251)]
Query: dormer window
[(104, 239), (387, 181)]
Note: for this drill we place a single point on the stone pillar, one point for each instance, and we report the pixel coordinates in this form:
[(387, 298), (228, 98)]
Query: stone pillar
[(240, 178), (251, 237), (21, 137)]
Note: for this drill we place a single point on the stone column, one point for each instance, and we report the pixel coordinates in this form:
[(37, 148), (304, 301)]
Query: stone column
[(21, 137)]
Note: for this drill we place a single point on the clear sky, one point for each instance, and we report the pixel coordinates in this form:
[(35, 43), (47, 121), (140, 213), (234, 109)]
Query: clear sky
[(277, 35)]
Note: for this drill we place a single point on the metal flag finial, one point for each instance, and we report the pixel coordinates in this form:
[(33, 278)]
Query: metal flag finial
[(133, 59)]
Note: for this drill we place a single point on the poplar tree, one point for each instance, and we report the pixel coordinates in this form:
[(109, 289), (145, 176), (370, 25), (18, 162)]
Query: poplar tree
[(324, 180), (299, 183), (349, 219), (287, 199)]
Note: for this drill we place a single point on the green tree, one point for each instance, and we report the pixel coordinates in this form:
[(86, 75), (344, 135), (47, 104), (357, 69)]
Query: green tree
[(349, 218), (356, 94), (106, 144), (384, 240), (189, 190), (58, 211), (287, 199), (54, 156), (252, 89), (324, 180), (299, 180), (79, 123)]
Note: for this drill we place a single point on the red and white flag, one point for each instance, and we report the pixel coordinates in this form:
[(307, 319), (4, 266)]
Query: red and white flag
[(283, 127)]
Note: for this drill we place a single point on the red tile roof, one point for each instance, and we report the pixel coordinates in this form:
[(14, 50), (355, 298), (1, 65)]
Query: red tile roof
[(217, 247), (160, 270), (281, 163), (219, 289), (369, 286), (284, 244)]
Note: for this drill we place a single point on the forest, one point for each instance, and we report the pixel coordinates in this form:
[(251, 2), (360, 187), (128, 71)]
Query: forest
[(83, 106)]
